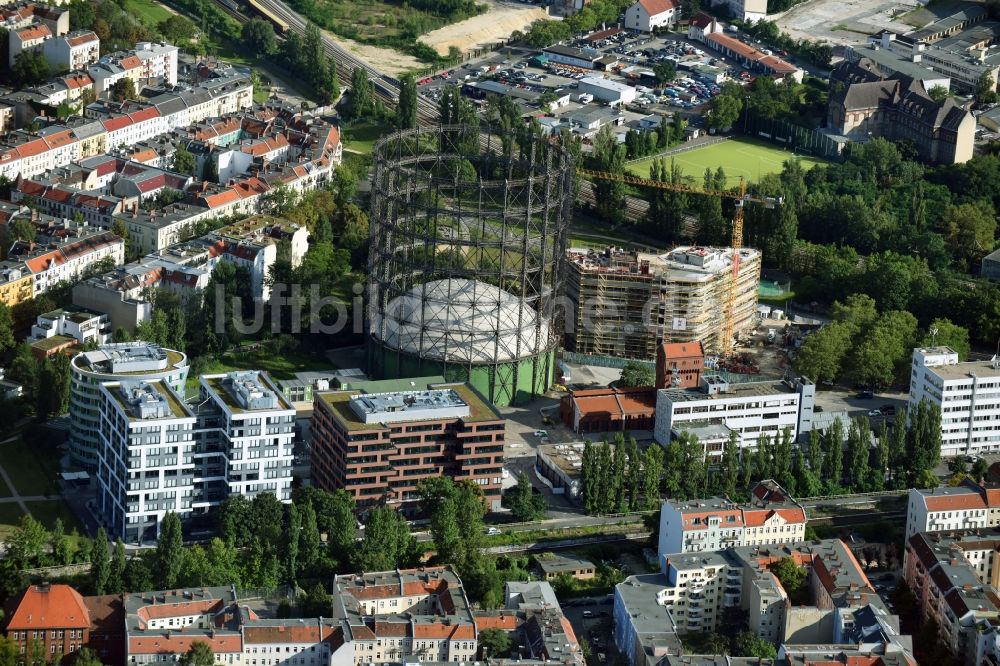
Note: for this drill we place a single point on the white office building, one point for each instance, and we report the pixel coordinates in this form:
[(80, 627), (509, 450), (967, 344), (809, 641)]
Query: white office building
[(159, 454), (612, 92), (146, 457), (246, 432), (752, 410), (968, 395), (127, 361)]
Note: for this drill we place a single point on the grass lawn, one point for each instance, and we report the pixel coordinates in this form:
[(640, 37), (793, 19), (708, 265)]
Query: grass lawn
[(361, 136), (47, 512), (738, 157), (149, 12), (10, 516), (32, 468), (278, 366)]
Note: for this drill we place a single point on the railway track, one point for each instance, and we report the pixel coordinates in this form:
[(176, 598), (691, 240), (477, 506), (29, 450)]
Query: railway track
[(385, 86)]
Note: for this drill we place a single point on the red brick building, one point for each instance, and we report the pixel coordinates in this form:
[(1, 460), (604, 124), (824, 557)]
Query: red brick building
[(679, 364), (380, 446), (52, 618), (609, 409)]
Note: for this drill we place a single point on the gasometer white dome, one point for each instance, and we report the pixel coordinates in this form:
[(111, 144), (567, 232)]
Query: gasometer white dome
[(461, 320)]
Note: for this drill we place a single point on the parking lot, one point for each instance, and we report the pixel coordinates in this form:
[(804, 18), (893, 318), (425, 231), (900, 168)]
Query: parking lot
[(637, 54), (591, 620)]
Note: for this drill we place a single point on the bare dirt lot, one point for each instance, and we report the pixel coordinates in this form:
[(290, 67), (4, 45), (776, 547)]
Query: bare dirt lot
[(846, 21), (388, 61), (496, 24)]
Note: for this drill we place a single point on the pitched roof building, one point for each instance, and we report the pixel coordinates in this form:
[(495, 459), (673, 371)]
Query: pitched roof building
[(866, 103)]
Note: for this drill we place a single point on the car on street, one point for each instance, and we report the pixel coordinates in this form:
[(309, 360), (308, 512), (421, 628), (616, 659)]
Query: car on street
[(865, 394), (874, 412), (588, 613)]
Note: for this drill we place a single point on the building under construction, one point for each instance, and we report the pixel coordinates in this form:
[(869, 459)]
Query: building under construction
[(626, 303)]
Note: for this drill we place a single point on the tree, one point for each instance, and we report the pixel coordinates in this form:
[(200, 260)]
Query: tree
[(938, 93), (406, 111), (748, 644), (84, 657), (54, 375), (184, 162), (979, 469), (361, 93), (6, 328), (791, 576), (944, 333), (123, 89), (858, 452), (292, 534), (310, 542), (652, 474), (726, 107), (177, 29), (883, 353), (609, 155), (199, 654), (116, 571), (259, 35), (27, 545), (30, 67), (822, 353), (9, 652), (665, 71), (522, 501), (986, 89), (637, 374), (318, 603), (387, 543), (494, 643), (100, 564), (970, 229), (169, 551)]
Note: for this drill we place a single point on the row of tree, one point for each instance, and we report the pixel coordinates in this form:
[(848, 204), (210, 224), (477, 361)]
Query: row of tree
[(840, 459), (619, 478)]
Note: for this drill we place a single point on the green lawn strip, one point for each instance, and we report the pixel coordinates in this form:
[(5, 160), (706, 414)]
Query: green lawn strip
[(748, 158), (10, 517), (32, 470), (361, 136), (46, 513), (148, 11)]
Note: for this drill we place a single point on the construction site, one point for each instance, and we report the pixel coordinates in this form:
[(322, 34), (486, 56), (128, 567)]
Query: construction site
[(626, 303)]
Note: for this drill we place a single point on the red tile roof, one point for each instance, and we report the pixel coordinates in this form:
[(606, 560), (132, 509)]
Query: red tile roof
[(441, 631), (701, 20), (507, 622), (160, 611), (53, 606), (180, 643), (148, 113), (308, 633), (654, 7), (117, 123), (130, 62), (756, 518), (33, 32), (963, 501), (32, 148), (80, 40)]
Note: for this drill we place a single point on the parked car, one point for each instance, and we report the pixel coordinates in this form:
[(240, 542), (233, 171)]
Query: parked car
[(588, 613), (492, 531), (866, 394), (874, 412)]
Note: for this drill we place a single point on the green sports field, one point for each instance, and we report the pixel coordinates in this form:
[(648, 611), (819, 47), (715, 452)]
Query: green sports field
[(738, 157)]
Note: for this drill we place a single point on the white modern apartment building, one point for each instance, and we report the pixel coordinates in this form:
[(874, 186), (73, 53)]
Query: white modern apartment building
[(146, 446), (752, 410), (82, 325), (963, 507), (771, 517), (246, 431), (968, 395), (158, 454), (159, 61), (127, 361)]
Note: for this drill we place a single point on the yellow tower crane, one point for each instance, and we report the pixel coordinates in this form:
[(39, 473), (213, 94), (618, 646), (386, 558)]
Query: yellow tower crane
[(740, 196)]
